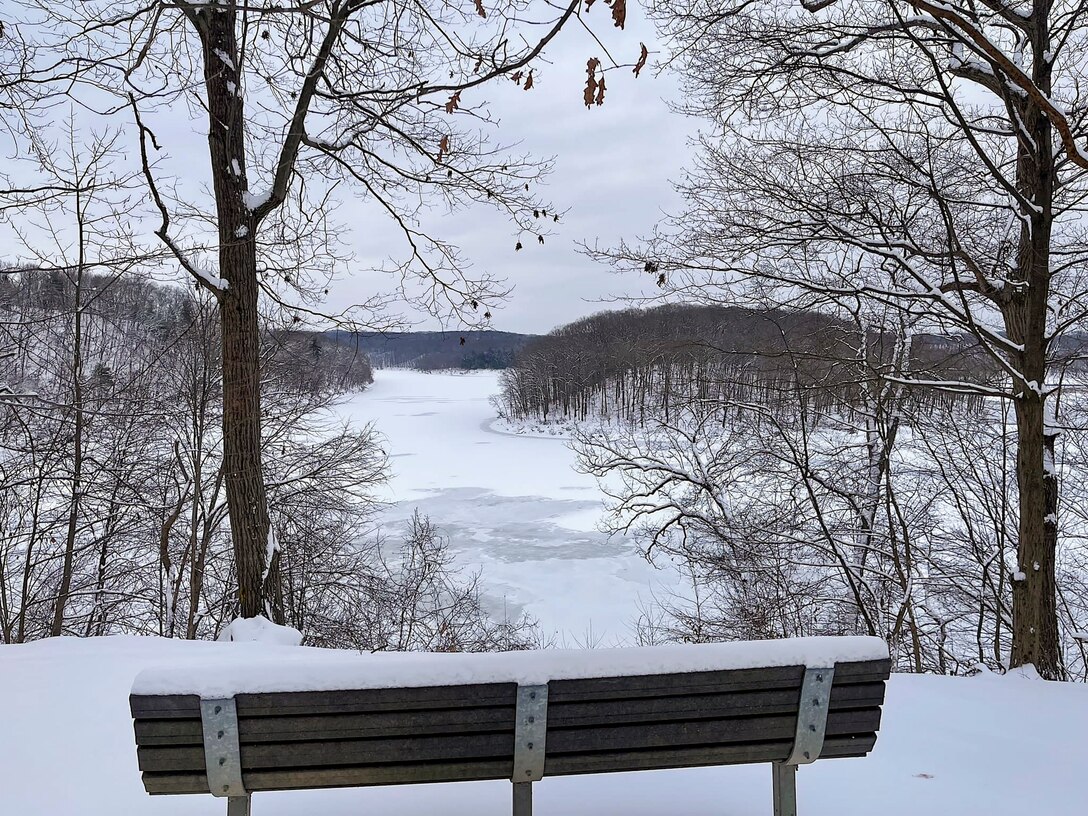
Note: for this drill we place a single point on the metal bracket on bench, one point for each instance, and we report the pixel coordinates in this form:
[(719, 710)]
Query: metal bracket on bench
[(222, 757), (530, 731), (808, 741)]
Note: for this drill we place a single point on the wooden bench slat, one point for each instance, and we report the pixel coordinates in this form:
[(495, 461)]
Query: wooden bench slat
[(334, 726), (338, 777), (851, 745), (164, 706), (660, 685), (337, 752), (653, 685), (356, 776), (365, 700), (175, 783), (183, 706)]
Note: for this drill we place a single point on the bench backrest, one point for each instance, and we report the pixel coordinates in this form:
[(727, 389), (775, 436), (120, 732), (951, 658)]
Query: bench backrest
[(299, 740)]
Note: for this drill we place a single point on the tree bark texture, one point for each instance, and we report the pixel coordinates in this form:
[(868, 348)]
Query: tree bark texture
[(1026, 308), (258, 579)]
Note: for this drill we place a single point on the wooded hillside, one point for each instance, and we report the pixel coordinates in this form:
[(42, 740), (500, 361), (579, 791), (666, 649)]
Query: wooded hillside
[(112, 513), (629, 362), (431, 351)]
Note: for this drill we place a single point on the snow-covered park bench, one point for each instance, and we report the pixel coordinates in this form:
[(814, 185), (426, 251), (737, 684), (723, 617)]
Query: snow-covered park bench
[(316, 719)]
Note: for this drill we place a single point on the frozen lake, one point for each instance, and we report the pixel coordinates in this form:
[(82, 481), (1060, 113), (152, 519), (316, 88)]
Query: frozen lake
[(512, 506)]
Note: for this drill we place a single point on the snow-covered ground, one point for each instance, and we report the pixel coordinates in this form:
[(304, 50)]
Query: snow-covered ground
[(991, 746), (512, 506)]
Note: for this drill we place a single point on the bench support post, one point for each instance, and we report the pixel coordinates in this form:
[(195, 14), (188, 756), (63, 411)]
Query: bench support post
[(238, 805), (784, 781), (808, 740), (530, 732), (523, 798)]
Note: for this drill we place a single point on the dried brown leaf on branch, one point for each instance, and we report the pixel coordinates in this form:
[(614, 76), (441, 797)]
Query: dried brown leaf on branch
[(479, 63), (528, 81), (642, 57), (589, 4), (516, 76), (455, 101), (619, 12), (443, 148), (480, 8), (591, 81), (600, 92)]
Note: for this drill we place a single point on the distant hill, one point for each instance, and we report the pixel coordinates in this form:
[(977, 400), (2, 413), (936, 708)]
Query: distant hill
[(431, 350)]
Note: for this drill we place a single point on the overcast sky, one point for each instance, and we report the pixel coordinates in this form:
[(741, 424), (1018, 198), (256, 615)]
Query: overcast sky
[(613, 170)]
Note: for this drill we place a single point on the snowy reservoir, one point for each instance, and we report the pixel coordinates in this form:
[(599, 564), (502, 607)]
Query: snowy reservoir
[(512, 506)]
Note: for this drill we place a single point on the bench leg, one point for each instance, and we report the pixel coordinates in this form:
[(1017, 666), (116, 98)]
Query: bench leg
[(238, 805), (784, 780), (523, 799)]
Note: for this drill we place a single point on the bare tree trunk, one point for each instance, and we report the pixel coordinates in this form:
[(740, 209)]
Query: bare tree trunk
[(1035, 621), (258, 590), (76, 480), (28, 556), (203, 517), (242, 463), (96, 619)]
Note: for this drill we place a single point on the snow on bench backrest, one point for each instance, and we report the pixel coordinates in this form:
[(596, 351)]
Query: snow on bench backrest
[(255, 668)]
